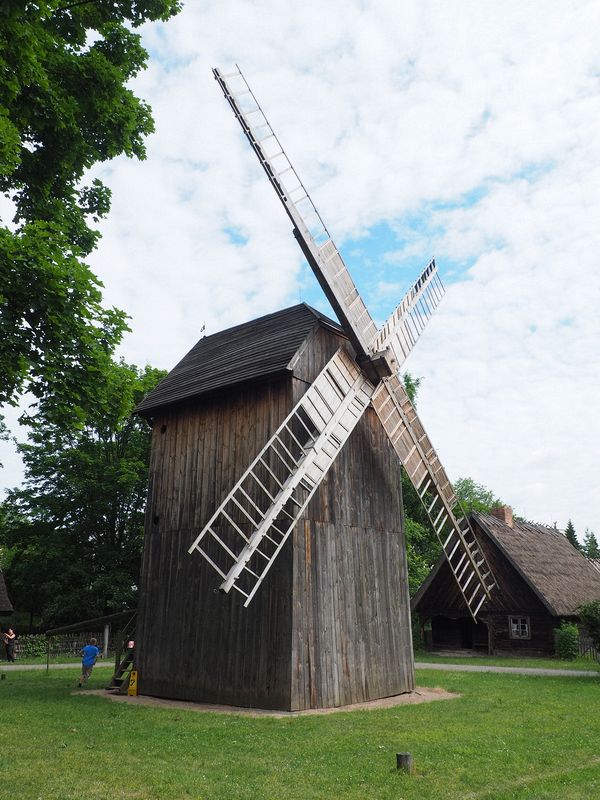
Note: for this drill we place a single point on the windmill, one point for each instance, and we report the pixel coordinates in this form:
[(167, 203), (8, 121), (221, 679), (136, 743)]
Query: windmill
[(277, 486), (301, 530)]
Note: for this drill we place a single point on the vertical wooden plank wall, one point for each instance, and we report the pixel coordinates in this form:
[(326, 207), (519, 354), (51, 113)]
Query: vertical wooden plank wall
[(193, 642), (351, 630), (331, 623)]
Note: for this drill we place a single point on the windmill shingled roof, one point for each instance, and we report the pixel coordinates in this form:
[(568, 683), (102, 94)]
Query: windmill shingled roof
[(560, 575), (253, 350), (5, 604)]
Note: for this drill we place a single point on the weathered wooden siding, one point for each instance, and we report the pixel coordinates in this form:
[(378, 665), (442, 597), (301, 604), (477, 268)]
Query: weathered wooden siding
[(352, 638), (331, 623), (541, 626), (459, 632), (351, 630), (310, 359), (195, 643)]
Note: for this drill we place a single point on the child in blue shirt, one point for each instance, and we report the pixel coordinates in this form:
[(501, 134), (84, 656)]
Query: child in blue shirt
[(89, 655)]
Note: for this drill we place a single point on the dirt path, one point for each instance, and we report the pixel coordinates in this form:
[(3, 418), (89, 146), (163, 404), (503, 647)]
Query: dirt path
[(420, 695), (572, 673)]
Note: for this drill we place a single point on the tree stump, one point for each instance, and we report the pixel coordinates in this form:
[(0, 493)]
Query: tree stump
[(404, 761)]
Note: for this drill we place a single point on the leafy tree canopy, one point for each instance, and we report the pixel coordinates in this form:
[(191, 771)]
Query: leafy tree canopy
[(73, 533), (64, 106), (411, 386), (475, 497)]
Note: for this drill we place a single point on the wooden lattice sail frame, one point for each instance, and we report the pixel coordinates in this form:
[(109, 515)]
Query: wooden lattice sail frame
[(249, 528)]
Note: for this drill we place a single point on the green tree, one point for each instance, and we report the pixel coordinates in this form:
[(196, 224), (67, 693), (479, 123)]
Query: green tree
[(474, 496), (422, 546), (73, 532), (65, 105), (571, 535), (590, 545), (411, 386), (422, 551)]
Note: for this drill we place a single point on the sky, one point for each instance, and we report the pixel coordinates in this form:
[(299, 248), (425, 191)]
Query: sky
[(468, 131)]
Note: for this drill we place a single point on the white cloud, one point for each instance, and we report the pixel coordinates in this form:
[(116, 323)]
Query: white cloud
[(486, 114)]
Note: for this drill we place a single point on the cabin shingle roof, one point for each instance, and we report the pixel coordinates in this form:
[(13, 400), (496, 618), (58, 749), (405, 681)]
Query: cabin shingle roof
[(248, 352), (5, 604), (558, 573)]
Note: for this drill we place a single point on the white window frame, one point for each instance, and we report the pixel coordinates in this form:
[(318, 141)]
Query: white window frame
[(521, 629)]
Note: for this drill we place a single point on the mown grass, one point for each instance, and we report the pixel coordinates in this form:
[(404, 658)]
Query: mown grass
[(54, 659), (587, 664), (507, 736), (59, 659)]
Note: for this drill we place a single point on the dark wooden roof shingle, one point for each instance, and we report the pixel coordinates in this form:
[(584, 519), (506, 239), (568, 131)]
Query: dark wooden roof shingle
[(247, 352), (559, 574)]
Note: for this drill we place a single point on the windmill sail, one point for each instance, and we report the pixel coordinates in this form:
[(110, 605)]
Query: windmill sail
[(405, 325), (246, 533), (309, 229), (248, 530), (452, 527)]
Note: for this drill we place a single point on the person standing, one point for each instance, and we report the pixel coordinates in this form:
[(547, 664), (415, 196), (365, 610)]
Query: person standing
[(9, 643), (89, 655)]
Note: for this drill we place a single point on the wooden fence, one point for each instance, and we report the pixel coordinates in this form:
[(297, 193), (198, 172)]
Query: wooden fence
[(587, 649), (66, 644)]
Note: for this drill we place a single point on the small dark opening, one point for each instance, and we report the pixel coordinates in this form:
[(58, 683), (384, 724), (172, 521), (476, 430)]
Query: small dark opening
[(163, 428)]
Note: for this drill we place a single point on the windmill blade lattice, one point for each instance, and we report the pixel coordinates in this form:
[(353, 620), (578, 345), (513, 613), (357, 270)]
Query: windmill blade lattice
[(403, 328), (407, 435), (313, 237), (248, 530), (246, 533)]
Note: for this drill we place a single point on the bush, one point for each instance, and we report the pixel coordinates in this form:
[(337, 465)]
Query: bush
[(32, 644), (567, 641), (590, 617)]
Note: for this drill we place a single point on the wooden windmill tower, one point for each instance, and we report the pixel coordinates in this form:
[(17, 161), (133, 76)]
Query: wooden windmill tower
[(306, 529)]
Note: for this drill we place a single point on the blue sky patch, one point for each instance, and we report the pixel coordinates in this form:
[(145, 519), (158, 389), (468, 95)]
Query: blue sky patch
[(234, 235)]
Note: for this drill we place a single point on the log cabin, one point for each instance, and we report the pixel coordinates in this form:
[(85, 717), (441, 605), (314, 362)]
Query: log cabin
[(541, 580), (331, 624)]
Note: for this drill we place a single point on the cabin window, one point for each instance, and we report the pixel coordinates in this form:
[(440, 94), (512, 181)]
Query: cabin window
[(519, 628)]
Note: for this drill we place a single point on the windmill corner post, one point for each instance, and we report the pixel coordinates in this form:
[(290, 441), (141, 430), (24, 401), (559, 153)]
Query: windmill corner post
[(274, 569)]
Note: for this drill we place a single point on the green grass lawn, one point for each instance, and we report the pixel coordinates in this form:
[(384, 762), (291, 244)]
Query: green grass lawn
[(587, 664), (62, 659), (507, 736), (54, 659)]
